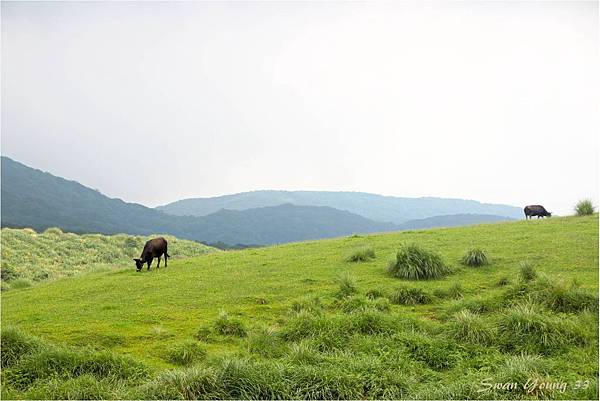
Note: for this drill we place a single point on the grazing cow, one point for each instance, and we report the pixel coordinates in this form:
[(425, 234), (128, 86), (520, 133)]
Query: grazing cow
[(154, 248), (536, 210)]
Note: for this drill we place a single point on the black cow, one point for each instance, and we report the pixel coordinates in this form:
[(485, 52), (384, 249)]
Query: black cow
[(536, 210), (154, 248)]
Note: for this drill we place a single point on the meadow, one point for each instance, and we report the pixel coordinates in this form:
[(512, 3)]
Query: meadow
[(510, 303), (29, 257)]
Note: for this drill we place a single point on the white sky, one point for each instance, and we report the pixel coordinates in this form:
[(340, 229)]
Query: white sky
[(153, 102)]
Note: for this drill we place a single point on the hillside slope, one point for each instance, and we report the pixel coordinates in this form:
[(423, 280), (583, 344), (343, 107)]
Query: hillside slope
[(27, 255), (375, 207), (286, 316), (32, 198), (454, 220)]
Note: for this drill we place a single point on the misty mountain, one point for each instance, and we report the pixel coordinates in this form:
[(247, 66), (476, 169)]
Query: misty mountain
[(374, 207), (36, 199)]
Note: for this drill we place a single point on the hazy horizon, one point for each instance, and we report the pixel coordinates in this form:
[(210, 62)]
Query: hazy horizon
[(156, 102)]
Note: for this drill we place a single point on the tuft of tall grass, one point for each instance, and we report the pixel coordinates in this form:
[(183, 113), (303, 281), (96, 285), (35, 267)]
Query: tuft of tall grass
[(526, 328), (15, 345), (436, 352), (186, 353), (527, 271), (361, 254), (82, 387), (54, 361), (470, 327), (584, 207), (183, 384), (267, 343), (410, 296), (415, 263), (228, 326), (347, 285), (475, 257)]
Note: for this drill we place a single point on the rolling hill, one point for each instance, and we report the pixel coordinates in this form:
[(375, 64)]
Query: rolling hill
[(28, 256), (39, 200), (298, 321), (374, 207)]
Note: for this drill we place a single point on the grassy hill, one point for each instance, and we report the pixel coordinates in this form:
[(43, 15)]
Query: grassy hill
[(300, 321), (28, 256)]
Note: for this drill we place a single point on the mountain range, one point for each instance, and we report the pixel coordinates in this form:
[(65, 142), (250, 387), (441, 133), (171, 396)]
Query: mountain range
[(375, 207), (37, 199)]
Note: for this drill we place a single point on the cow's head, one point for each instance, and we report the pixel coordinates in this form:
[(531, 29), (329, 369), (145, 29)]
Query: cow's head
[(139, 263), (549, 214)]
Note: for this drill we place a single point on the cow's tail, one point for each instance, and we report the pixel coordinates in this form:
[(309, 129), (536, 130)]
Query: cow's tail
[(167, 255)]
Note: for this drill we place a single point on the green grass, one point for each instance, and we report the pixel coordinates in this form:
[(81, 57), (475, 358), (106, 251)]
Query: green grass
[(475, 257), (301, 339), (28, 256), (416, 263), (361, 254)]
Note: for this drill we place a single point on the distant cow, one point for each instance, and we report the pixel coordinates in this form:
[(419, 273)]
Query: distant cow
[(154, 248), (536, 210)]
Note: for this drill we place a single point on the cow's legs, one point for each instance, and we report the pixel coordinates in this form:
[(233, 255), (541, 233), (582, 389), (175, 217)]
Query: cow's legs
[(158, 265), (149, 263), (166, 256)]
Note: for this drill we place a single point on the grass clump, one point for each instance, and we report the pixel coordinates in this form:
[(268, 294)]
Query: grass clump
[(20, 283), (347, 285), (526, 328), (186, 353), (63, 362), (410, 296), (527, 271), (15, 345), (415, 263), (362, 254), (470, 327), (475, 257), (229, 326), (584, 207)]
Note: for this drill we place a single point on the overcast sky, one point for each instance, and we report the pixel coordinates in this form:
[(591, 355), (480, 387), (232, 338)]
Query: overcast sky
[(154, 102)]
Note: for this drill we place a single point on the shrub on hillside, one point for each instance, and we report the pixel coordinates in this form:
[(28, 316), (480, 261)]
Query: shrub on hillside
[(475, 257), (584, 207), (362, 254), (415, 263), (228, 326), (186, 353), (410, 296)]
